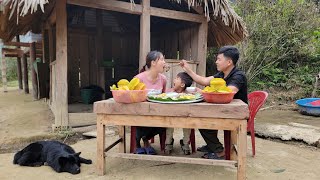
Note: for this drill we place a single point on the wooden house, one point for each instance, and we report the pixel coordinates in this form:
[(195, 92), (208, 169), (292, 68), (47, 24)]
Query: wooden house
[(98, 42)]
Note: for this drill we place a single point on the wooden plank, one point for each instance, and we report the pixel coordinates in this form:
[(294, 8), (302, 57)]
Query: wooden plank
[(25, 74), (184, 44), (22, 44), (174, 122), (173, 159), (9, 50), (194, 43), (51, 44), (93, 65), (144, 32), (100, 146), (234, 110), (84, 61), (113, 144), (100, 48), (233, 142), (110, 5), (34, 78), (52, 19), (73, 68), (61, 115), (46, 54), (122, 135), (171, 14), (202, 48), (82, 119), (242, 151), (4, 73)]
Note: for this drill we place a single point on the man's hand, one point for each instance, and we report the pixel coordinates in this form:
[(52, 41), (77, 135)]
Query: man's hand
[(185, 66)]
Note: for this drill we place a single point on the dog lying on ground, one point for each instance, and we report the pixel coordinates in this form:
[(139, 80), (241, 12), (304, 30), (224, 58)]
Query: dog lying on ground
[(61, 157)]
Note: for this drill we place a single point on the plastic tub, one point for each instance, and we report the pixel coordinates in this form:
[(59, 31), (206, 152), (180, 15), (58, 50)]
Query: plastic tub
[(218, 98), (306, 108), (129, 96)]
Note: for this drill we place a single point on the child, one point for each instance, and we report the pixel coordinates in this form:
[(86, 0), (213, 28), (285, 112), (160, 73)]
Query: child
[(180, 83), (153, 79)]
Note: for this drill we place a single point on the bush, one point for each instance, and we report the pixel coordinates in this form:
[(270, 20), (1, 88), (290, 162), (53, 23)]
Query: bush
[(283, 48), (11, 69)]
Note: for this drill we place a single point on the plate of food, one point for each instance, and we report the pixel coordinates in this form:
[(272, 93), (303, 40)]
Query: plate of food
[(175, 98)]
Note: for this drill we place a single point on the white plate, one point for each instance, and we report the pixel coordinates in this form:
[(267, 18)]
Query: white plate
[(176, 102), (154, 91)]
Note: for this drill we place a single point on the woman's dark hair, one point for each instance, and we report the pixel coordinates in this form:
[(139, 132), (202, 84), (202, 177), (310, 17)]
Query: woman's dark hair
[(230, 52), (152, 56), (185, 78)]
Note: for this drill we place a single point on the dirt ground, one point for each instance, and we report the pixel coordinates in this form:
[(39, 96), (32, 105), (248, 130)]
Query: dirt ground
[(22, 119)]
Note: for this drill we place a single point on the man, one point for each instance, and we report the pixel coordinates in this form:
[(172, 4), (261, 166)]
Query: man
[(236, 80)]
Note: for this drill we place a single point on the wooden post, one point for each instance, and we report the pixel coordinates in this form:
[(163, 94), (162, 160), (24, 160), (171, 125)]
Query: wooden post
[(242, 150), (122, 135), (202, 48), (4, 72), (33, 71), (61, 115), (19, 70), (144, 33), (25, 74), (100, 145)]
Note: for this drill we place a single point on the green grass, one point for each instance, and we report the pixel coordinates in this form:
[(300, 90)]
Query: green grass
[(11, 83)]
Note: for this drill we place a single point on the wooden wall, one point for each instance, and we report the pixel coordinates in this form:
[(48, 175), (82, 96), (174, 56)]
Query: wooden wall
[(185, 41), (82, 63), (175, 69), (123, 49)]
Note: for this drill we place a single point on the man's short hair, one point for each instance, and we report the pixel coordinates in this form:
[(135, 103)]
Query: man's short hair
[(230, 52)]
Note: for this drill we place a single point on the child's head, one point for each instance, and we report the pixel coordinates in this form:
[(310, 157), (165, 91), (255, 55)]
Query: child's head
[(182, 81), (154, 60)]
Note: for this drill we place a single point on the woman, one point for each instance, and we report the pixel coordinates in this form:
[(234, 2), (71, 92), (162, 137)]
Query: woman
[(151, 76)]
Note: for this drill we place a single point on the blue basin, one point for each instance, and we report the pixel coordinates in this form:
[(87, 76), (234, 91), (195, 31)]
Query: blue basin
[(306, 108)]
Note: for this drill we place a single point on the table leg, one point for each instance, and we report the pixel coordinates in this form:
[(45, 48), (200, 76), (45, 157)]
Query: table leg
[(100, 146), (227, 143), (242, 150), (122, 135), (233, 141)]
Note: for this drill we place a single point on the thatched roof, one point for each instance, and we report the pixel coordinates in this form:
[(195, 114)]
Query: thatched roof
[(20, 16)]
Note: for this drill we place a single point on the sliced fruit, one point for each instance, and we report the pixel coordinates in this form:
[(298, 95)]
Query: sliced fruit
[(140, 86), (123, 82), (133, 83), (218, 82), (113, 87), (206, 89), (224, 90), (124, 88)]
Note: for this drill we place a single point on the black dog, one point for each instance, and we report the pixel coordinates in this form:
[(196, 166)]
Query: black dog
[(61, 157)]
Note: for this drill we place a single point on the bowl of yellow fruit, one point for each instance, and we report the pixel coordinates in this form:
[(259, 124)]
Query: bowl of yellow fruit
[(129, 91), (217, 92)]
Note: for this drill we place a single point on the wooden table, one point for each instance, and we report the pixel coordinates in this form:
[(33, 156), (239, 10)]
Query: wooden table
[(232, 116)]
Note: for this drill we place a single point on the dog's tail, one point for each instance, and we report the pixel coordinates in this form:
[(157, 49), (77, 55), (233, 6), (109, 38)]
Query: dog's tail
[(17, 156)]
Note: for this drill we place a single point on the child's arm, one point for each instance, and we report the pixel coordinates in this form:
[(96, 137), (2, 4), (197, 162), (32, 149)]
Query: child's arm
[(198, 89), (169, 90)]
